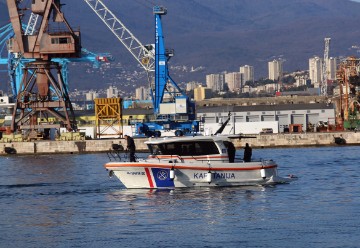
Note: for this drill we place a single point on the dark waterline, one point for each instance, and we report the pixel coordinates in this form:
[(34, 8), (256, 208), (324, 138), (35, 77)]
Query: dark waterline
[(69, 201)]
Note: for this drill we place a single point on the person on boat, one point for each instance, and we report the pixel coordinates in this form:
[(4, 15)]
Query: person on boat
[(231, 151), (247, 153), (130, 147)]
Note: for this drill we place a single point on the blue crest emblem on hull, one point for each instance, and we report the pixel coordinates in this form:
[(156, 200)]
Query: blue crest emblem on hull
[(162, 178)]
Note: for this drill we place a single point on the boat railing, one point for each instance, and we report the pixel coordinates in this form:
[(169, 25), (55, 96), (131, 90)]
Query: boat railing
[(239, 159), (115, 152), (114, 155), (170, 158), (209, 160)]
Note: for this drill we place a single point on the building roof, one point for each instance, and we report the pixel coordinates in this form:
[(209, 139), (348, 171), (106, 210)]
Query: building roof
[(278, 107)]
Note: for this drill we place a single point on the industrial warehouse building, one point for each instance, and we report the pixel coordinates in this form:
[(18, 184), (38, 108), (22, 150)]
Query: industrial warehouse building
[(283, 115), (243, 119)]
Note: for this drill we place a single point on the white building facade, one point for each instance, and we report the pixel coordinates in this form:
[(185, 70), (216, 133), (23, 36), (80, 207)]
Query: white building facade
[(332, 67), (301, 80), (112, 92), (192, 85), (248, 73), (275, 69), (234, 81), (215, 82), (264, 116), (91, 95), (142, 93), (315, 71)]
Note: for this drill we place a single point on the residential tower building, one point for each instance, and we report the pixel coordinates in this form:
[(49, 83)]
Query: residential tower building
[(275, 68), (315, 71), (215, 82), (234, 81), (248, 73)]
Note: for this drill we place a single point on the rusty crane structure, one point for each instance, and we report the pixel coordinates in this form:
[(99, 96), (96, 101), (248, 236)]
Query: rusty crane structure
[(42, 92), (346, 73)]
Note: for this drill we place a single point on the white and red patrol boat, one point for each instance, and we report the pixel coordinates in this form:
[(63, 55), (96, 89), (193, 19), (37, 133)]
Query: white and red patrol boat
[(194, 162)]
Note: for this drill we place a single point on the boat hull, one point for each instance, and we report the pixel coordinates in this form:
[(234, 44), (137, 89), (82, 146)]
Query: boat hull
[(162, 175)]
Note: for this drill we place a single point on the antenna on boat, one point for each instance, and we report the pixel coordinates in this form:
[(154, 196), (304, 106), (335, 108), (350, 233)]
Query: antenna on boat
[(239, 136), (221, 129)]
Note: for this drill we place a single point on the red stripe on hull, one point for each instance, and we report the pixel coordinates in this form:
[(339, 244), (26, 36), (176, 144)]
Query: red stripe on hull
[(149, 177)]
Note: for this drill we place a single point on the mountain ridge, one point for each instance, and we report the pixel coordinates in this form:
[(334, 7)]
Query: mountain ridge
[(224, 36)]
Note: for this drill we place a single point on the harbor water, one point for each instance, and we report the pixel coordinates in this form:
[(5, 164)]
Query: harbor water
[(69, 201)]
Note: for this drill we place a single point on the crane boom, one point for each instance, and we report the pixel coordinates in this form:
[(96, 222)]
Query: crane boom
[(325, 67), (30, 28), (141, 53)]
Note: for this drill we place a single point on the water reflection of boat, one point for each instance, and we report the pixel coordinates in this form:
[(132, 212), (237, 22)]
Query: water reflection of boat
[(192, 162)]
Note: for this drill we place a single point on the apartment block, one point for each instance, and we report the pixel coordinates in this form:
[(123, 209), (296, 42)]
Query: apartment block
[(215, 82), (234, 81), (248, 73), (275, 68), (315, 71)]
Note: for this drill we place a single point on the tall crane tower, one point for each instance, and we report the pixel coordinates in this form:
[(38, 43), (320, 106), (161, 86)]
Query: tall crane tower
[(325, 69), (173, 109), (53, 39), (16, 65)]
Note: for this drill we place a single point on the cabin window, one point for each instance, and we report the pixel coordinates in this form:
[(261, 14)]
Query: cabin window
[(64, 40), (155, 149), (190, 148), (60, 40), (205, 148)]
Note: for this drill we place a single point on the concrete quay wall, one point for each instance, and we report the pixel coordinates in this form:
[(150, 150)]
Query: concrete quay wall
[(299, 140), (52, 147), (94, 146)]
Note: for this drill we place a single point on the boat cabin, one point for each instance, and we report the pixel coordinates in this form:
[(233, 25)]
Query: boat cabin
[(192, 147)]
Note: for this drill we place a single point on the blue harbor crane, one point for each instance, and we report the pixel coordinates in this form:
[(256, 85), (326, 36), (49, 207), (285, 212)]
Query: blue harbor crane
[(173, 109)]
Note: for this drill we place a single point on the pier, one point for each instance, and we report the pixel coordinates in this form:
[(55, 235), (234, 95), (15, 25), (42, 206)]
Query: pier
[(105, 145)]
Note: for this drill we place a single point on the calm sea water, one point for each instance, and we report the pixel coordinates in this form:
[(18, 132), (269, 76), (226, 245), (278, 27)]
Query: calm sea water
[(69, 201)]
